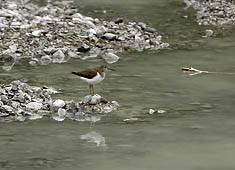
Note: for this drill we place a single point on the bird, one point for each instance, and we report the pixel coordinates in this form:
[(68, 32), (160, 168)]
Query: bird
[(93, 76)]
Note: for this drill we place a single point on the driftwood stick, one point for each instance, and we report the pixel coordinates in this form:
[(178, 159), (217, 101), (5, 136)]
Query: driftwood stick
[(192, 71)]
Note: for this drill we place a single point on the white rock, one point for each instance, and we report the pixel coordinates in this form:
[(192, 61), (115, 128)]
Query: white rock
[(73, 54), (110, 58), (58, 103), (92, 31), (209, 33), (45, 60), (12, 6), (58, 57), (130, 119), (34, 106), (37, 33), (86, 99), (46, 19), (95, 138), (89, 19), (95, 99), (60, 116), (25, 26), (61, 112), (89, 23), (151, 111), (7, 108), (161, 111), (13, 48), (3, 25), (15, 24), (78, 15), (109, 36), (5, 13), (20, 118), (35, 116)]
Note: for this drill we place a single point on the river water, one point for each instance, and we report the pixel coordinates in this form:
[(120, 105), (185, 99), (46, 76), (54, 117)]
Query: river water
[(195, 132)]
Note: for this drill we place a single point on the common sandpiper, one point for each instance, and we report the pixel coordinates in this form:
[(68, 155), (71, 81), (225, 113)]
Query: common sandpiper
[(93, 76)]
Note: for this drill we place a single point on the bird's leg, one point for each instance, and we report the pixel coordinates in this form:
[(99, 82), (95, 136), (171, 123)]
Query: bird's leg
[(90, 86), (93, 93)]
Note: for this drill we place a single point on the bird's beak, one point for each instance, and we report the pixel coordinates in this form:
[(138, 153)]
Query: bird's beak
[(111, 69)]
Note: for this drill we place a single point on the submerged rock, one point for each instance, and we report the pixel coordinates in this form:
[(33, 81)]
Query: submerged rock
[(110, 57)]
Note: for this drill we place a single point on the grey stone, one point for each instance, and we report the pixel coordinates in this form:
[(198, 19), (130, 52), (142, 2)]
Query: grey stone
[(151, 30), (4, 99)]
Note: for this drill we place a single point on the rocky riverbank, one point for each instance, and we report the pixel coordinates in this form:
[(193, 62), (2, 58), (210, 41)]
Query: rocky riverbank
[(19, 101), (214, 12), (57, 32)]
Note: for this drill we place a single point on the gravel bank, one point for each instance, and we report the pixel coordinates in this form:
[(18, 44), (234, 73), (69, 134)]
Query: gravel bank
[(213, 12), (57, 32)]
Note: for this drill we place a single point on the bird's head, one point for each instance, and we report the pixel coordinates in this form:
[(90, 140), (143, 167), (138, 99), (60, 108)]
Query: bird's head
[(104, 68)]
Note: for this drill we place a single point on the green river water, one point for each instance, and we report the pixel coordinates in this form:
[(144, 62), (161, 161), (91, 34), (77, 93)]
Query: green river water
[(196, 132)]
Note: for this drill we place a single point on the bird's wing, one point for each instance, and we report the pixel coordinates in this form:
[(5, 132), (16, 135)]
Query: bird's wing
[(86, 74)]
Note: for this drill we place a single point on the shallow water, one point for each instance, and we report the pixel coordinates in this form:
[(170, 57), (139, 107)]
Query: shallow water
[(196, 132)]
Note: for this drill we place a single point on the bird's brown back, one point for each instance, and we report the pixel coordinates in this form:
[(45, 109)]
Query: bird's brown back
[(87, 73)]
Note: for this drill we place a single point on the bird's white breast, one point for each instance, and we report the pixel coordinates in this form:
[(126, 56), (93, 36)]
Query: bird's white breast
[(97, 79)]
